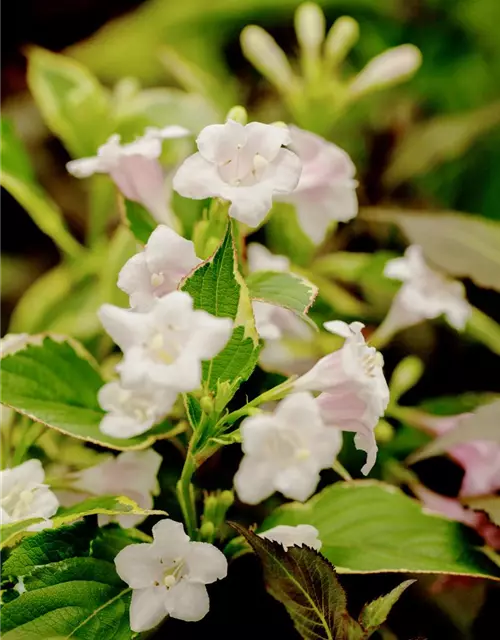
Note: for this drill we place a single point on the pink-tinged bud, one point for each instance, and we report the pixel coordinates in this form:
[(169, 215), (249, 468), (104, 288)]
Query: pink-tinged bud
[(391, 66)]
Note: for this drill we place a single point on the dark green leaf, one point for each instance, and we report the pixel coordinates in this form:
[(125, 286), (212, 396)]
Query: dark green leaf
[(140, 221), (375, 613)]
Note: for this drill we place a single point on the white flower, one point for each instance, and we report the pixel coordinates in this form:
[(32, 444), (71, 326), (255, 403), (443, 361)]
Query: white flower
[(131, 412), (355, 392), (243, 164), (285, 451), (168, 576), (391, 66), (24, 495), (12, 342), (165, 345), (134, 168), (158, 269), (425, 294), (261, 259), (301, 534), (131, 474), (327, 189)]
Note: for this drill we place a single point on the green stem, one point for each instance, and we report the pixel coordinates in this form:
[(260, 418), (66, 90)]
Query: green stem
[(276, 393), (185, 492), (341, 471), (484, 329)]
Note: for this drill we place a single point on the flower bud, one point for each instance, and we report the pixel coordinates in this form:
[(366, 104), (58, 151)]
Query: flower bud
[(405, 376), (267, 57), (207, 404), (226, 499), (238, 114), (340, 39), (207, 531), (310, 27), (391, 66), (384, 432), (210, 508)]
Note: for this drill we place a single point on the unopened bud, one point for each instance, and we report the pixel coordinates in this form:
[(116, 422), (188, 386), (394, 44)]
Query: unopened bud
[(207, 404), (267, 57), (392, 66), (226, 499), (238, 114), (210, 508), (405, 376), (341, 38), (384, 432), (207, 531), (310, 27)]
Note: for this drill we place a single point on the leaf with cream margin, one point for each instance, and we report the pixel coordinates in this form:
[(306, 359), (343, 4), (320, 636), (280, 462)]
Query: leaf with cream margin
[(54, 381), (482, 424)]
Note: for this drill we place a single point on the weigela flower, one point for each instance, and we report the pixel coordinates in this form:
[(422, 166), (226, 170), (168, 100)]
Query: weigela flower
[(165, 346), (355, 392), (134, 168), (285, 451), (158, 269), (168, 576), (425, 294), (299, 535), (24, 495), (131, 412), (246, 165), (131, 474), (327, 189)]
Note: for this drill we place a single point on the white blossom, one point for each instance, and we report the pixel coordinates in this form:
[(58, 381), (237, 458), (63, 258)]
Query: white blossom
[(158, 269), (24, 495), (134, 168), (131, 474), (355, 392), (131, 412), (165, 345), (327, 189), (246, 165), (299, 535), (285, 451), (168, 576), (391, 66), (425, 294)]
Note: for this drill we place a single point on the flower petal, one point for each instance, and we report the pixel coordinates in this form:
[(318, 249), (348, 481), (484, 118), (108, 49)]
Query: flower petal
[(147, 608), (187, 601), (198, 178), (254, 480), (170, 540), (218, 143), (205, 563), (297, 483), (138, 566), (124, 326)]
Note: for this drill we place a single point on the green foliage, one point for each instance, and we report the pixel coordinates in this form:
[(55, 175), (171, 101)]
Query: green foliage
[(283, 290), (369, 527), (18, 178), (56, 383), (64, 588), (138, 219), (306, 583)]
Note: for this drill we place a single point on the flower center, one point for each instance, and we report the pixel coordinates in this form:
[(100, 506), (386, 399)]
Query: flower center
[(371, 361), (287, 446), (17, 503), (161, 350), (157, 279), (173, 574)]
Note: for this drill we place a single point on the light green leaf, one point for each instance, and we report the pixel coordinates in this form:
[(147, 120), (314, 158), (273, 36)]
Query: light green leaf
[(306, 583), (375, 613), (285, 290), (217, 287), (138, 219), (70, 592), (18, 178), (105, 505), (461, 245), (55, 382), (370, 527), (73, 104)]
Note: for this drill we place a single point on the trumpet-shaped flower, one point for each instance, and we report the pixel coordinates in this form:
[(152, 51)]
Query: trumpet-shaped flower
[(158, 269), (425, 294), (131, 412), (168, 576), (285, 451), (24, 495), (131, 474), (246, 165), (134, 168), (299, 535), (327, 189), (355, 392), (165, 346)]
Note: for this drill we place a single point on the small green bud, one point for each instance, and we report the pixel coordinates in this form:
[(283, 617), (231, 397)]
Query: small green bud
[(226, 499), (267, 57), (384, 432), (280, 123), (340, 39), (310, 27), (207, 531), (238, 114), (210, 508), (405, 376), (207, 405)]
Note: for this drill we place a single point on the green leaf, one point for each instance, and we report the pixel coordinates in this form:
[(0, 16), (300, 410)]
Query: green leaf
[(371, 527), (217, 287), (67, 591), (138, 219), (105, 505), (73, 104), (18, 178), (285, 290), (55, 381), (375, 613), (285, 236), (306, 583)]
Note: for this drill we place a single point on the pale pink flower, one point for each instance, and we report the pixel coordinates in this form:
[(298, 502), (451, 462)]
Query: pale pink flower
[(246, 165), (298, 535), (327, 189)]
